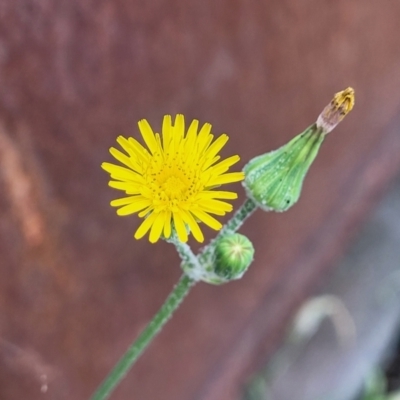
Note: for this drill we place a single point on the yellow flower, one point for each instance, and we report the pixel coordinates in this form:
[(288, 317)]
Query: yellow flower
[(171, 183)]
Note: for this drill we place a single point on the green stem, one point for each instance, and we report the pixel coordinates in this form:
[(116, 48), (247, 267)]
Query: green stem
[(185, 252), (244, 212), (139, 345), (190, 265), (171, 304)]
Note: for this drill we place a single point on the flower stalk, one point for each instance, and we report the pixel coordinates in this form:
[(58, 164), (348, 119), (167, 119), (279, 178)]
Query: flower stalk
[(194, 271), (244, 212), (173, 301)]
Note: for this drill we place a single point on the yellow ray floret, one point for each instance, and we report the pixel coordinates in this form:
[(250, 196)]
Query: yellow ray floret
[(170, 183)]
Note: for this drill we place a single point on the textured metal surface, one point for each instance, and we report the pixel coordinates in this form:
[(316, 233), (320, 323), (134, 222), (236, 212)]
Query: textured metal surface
[(75, 288)]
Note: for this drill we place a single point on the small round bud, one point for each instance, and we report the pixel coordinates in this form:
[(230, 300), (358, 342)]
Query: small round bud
[(233, 255)]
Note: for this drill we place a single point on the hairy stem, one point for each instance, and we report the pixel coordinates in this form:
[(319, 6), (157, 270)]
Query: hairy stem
[(139, 345)]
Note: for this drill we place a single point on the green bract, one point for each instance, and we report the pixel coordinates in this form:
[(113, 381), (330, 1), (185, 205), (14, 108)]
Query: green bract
[(274, 180)]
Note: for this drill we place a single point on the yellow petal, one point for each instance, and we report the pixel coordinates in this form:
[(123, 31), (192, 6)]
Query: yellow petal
[(204, 136), (219, 143), (224, 165), (146, 211), (218, 194), (207, 219), (167, 224), (121, 157), (157, 227), (137, 153), (166, 131), (194, 226), (191, 137), (135, 149), (215, 206), (125, 200), (148, 135), (180, 227), (226, 178), (145, 226), (210, 161), (119, 185), (179, 128), (203, 145), (133, 207), (121, 173)]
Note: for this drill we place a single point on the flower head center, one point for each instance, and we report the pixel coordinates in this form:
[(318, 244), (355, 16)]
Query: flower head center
[(174, 188)]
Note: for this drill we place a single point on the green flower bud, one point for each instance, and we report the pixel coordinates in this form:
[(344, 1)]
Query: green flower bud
[(225, 259), (233, 254), (274, 180)]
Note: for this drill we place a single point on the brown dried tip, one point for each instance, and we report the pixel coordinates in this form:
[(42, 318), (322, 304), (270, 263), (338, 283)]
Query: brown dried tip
[(341, 104)]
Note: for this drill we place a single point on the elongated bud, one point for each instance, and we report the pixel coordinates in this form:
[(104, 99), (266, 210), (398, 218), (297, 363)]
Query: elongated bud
[(233, 255), (274, 180)]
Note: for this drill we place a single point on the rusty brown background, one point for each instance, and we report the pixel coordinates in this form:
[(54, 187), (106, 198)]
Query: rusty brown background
[(75, 288)]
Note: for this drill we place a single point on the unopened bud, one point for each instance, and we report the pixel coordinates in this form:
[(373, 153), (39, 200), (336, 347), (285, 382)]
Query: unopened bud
[(225, 259), (274, 180), (233, 255)]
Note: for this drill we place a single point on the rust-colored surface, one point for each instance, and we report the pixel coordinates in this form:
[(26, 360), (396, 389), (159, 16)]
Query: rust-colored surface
[(75, 288)]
